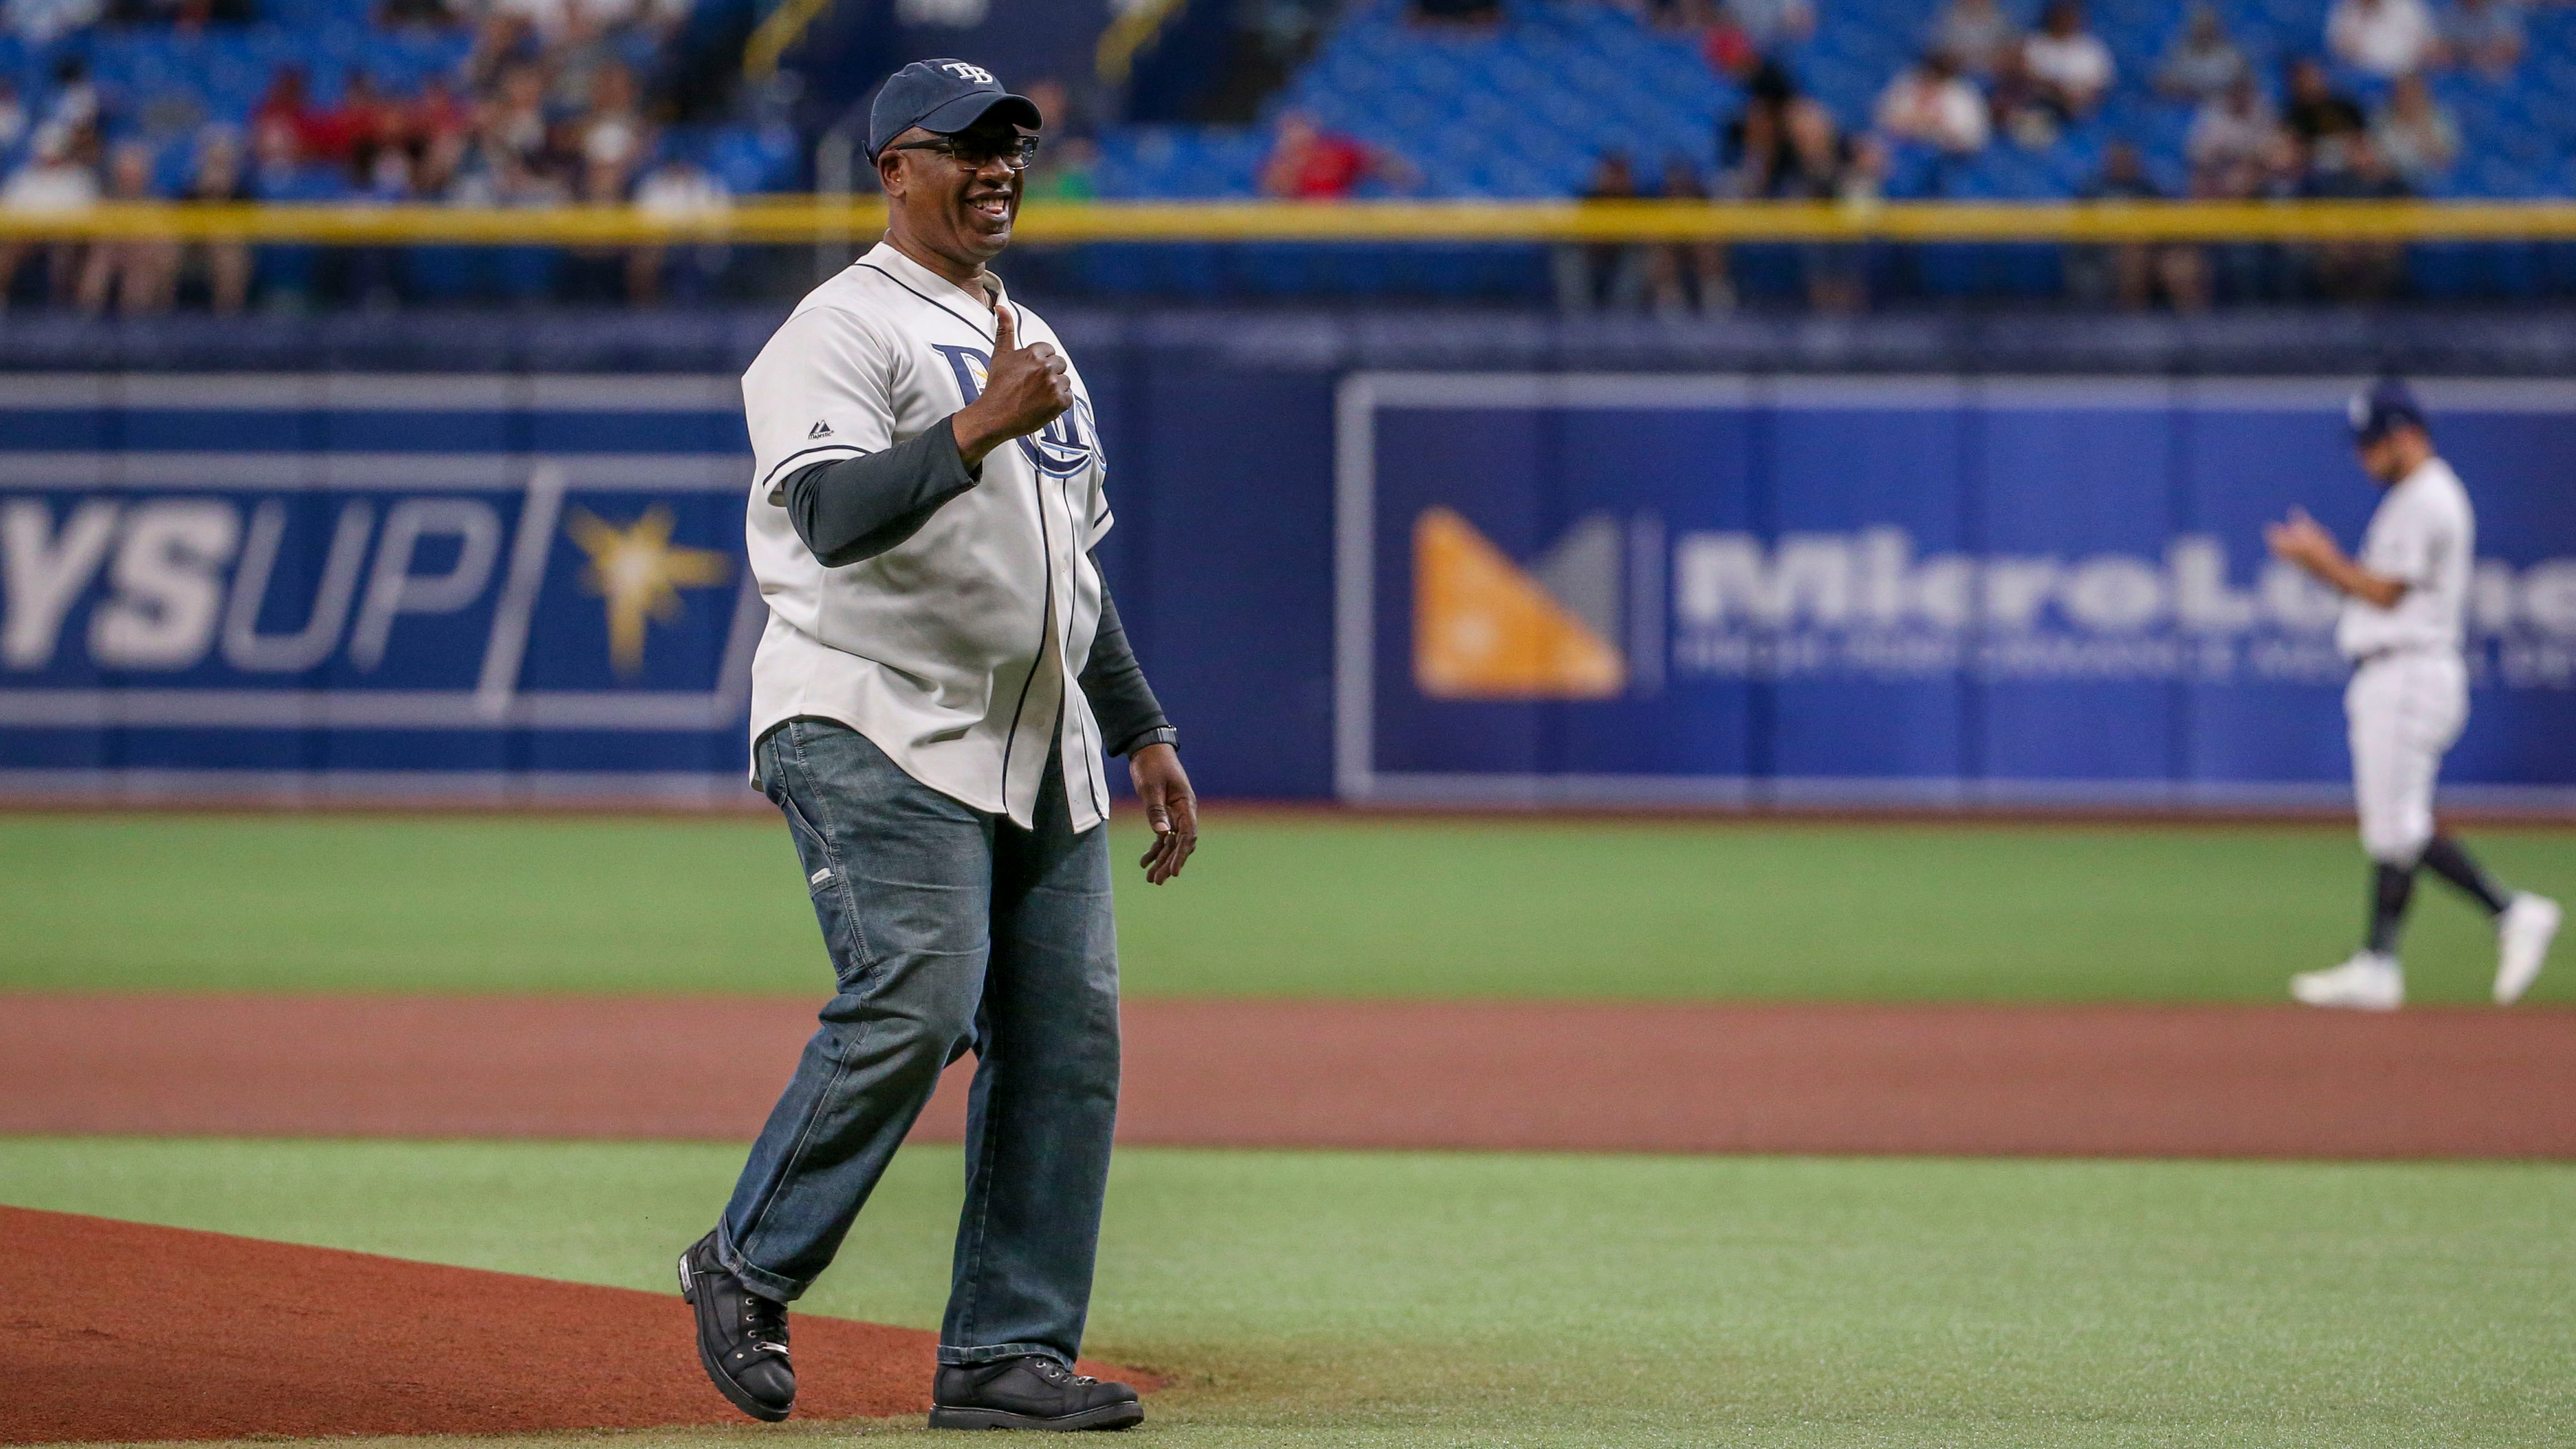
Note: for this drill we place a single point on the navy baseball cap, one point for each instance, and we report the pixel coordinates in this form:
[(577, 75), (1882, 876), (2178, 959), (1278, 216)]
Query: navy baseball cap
[(2381, 409), (942, 97)]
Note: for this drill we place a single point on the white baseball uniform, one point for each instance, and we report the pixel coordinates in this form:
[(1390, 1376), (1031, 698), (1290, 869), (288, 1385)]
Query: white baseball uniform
[(957, 652), (2409, 694)]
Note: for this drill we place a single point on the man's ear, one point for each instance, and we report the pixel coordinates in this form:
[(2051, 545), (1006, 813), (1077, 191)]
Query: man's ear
[(889, 167)]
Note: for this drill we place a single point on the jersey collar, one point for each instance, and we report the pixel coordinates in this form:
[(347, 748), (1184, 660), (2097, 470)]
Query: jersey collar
[(2430, 468), (891, 258)]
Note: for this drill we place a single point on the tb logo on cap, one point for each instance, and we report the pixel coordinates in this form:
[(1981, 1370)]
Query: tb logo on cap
[(975, 73)]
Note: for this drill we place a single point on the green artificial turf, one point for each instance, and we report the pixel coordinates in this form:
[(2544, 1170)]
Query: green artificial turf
[(1452, 1299), (1273, 906)]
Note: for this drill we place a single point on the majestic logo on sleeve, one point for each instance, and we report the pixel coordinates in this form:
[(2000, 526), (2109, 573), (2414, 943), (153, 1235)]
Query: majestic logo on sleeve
[(820, 430), (1059, 450)]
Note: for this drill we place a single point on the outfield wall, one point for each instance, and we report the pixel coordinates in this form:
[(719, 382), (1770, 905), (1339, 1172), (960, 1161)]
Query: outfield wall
[(1546, 586)]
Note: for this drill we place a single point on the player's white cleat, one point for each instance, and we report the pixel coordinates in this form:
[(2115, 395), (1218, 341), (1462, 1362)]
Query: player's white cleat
[(2367, 982), (2523, 933)]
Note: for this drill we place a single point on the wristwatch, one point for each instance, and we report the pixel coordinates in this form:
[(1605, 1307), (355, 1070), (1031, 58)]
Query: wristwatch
[(1164, 736)]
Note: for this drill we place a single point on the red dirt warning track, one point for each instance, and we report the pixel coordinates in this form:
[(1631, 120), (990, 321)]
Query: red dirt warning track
[(114, 1330), (2080, 1080)]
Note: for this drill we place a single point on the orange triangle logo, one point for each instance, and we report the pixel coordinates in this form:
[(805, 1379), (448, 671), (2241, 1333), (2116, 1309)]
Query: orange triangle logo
[(1484, 629)]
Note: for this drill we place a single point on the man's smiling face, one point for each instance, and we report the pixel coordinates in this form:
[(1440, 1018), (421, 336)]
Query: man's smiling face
[(956, 195)]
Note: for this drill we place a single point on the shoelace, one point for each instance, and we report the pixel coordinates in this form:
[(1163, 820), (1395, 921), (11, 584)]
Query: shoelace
[(1056, 1373), (764, 1322)]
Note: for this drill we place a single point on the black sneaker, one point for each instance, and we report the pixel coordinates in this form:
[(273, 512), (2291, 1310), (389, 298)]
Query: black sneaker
[(742, 1337), (1034, 1392)]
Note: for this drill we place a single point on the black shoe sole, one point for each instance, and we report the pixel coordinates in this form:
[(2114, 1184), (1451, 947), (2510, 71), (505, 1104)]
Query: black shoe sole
[(1107, 1416), (707, 1360)]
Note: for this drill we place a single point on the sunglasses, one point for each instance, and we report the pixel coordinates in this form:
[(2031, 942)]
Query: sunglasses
[(973, 154)]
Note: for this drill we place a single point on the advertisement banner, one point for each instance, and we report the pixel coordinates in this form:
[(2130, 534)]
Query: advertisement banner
[(1626, 589), (477, 587)]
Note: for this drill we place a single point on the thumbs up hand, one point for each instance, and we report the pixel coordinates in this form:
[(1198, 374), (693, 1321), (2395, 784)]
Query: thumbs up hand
[(1025, 389)]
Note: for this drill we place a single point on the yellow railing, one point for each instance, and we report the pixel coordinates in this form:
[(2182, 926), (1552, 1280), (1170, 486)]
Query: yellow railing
[(804, 219), (782, 28), (1133, 32)]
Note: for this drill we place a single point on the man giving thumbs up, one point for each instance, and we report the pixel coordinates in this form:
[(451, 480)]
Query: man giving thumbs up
[(942, 674)]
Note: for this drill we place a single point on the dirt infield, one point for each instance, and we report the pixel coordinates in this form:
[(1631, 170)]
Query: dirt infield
[(2075, 1080), (120, 1331)]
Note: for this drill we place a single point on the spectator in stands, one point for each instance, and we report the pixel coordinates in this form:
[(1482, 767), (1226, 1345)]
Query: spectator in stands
[(1685, 17), (2241, 270), (1740, 34), (555, 18), (1973, 33), (1683, 276), (2366, 175), (560, 19), (2320, 118), (286, 100), (2203, 62), (1068, 164), (1824, 165), (2070, 68), (576, 56), (397, 14), (1932, 104), (57, 176), (383, 172), (2236, 128), (1462, 14), (226, 264), (681, 187), (282, 172), (452, 169), (610, 136), (1309, 163), (2135, 274), (185, 15), (2365, 272), (1067, 169), (677, 188), (501, 41), (2383, 37), (2017, 106), (1754, 144), (141, 274), (433, 114), (42, 22), (75, 106), (608, 142), (1065, 115), (13, 114), (1772, 25), (1593, 276), (512, 120), (290, 274), (2486, 35), (2417, 134), (350, 131)]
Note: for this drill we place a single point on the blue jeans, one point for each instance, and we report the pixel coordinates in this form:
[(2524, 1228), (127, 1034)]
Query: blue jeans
[(950, 931)]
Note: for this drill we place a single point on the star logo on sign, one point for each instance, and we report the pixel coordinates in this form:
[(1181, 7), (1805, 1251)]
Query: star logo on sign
[(640, 572)]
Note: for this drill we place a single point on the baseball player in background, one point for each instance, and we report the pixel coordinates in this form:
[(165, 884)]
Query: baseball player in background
[(942, 672), (2404, 602)]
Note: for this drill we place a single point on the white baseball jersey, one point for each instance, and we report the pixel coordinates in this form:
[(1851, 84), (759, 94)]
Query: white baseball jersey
[(958, 651), (2424, 536)]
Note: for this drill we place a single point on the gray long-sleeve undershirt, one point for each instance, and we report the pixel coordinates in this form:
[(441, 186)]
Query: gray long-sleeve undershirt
[(853, 509)]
